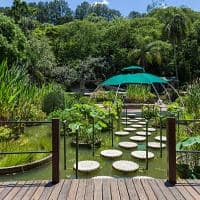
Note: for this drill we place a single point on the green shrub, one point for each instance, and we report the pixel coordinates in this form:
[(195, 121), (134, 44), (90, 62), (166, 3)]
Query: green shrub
[(53, 101), (5, 133)]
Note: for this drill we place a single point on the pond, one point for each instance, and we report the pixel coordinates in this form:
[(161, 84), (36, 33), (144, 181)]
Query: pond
[(157, 166)]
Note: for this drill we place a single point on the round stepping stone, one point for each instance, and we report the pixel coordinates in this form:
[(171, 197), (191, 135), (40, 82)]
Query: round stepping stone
[(128, 145), (142, 123), (155, 145), (164, 138), (137, 138), (136, 125), (140, 118), (87, 166), (131, 114), (150, 129), (125, 166), (122, 133), (124, 118), (130, 129), (111, 153), (142, 133), (102, 177), (142, 154), (133, 120), (128, 123)]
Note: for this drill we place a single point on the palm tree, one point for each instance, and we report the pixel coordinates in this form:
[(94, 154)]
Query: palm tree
[(176, 30), (147, 53)]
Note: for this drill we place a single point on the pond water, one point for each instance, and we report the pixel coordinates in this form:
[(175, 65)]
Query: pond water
[(157, 166)]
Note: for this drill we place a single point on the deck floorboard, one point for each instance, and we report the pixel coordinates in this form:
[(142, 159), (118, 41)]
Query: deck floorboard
[(101, 189)]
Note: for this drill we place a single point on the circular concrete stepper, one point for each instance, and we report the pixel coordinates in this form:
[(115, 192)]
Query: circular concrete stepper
[(142, 154), (137, 138), (122, 133), (87, 166), (130, 129), (142, 123), (111, 153), (155, 145), (150, 129), (128, 145), (124, 118), (128, 123), (133, 120), (132, 115), (164, 138), (136, 125), (142, 133), (140, 118), (125, 166)]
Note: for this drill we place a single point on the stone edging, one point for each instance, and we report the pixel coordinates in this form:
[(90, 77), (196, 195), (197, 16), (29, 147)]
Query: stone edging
[(25, 167)]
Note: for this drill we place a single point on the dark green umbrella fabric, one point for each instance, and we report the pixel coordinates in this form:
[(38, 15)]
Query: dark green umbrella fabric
[(133, 68), (138, 78)]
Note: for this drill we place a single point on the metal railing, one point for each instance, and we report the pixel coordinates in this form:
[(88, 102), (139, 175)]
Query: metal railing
[(55, 145)]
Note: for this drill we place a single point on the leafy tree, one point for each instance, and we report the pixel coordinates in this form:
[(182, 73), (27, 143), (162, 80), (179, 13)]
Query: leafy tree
[(134, 14), (18, 10), (82, 10), (176, 30), (41, 59), (156, 4), (12, 42)]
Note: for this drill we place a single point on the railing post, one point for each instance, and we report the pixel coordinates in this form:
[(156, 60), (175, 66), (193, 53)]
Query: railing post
[(171, 150), (55, 150)]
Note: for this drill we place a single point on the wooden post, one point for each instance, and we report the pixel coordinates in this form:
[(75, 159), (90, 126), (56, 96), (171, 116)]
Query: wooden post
[(55, 150), (171, 150)]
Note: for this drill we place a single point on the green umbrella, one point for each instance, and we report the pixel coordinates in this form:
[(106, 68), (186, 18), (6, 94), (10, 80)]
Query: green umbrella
[(138, 78), (133, 68)]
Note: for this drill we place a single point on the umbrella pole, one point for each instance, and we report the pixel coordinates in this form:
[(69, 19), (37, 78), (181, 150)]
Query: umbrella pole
[(166, 92), (117, 93), (156, 91)]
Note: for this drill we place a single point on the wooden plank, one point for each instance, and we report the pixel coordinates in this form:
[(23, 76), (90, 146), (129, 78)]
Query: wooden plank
[(14, 191), (174, 191), (140, 190), (148, 189), (23, 190), (89, 190), (73, 189), (156, 190), (195, 184), (65, 190), (183, 191), (131, 189), (114, 190), (166, 192), (56, 190), (98, 189), (39, 190), (2, 186), (31, 190), (81, 190), (7, 188), (48, 188), (122, 189), (106, 189), (190, 189)]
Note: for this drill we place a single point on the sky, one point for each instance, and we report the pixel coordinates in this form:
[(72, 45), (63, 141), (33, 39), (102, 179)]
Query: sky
[(124, 6)]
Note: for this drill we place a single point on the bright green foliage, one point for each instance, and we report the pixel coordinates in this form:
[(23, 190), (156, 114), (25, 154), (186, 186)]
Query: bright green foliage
[(12, 41), (139, 94), (150, 111), (5, 133)]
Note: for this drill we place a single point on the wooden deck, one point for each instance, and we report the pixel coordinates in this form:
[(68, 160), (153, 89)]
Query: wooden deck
[(97, 189)]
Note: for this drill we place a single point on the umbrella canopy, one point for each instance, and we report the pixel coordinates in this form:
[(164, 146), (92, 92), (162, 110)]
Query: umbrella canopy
[(138, 78), (133, 68)]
